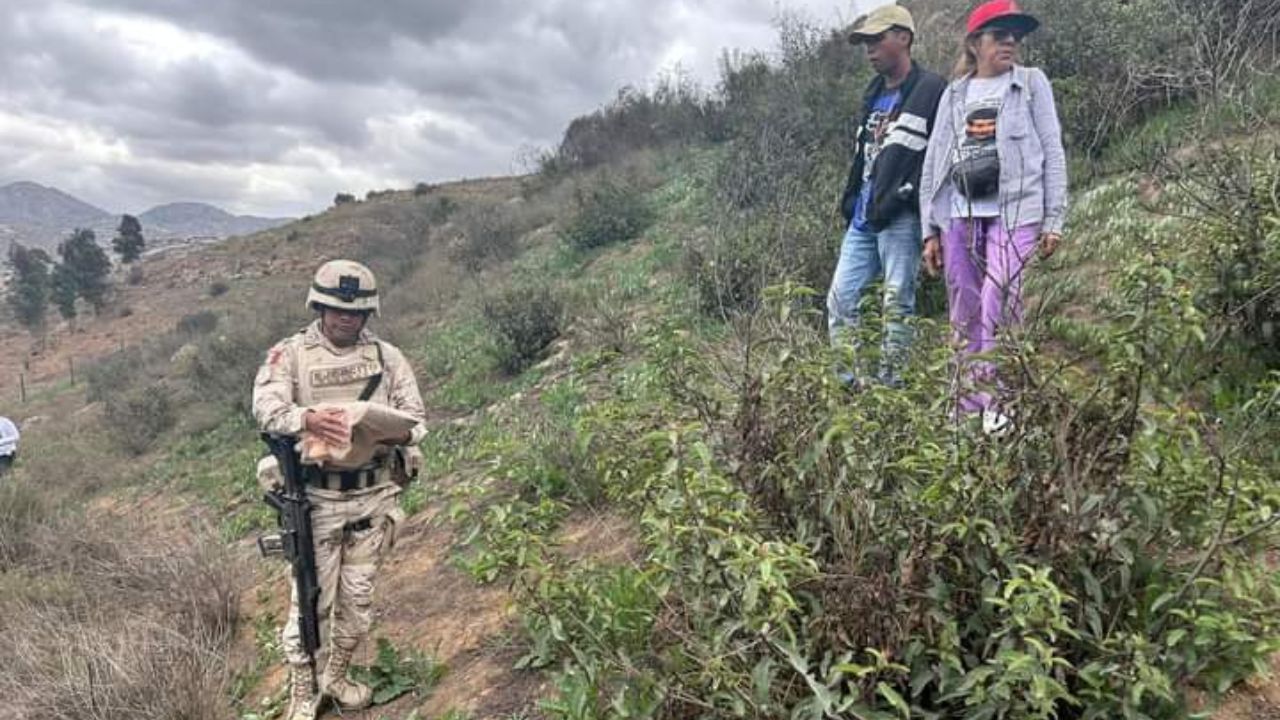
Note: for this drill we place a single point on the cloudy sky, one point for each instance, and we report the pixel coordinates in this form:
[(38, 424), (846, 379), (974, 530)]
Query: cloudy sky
[(272, 106)]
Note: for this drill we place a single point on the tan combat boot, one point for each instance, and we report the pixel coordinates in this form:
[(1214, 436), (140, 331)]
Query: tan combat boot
[(349, 694), (303, 698)]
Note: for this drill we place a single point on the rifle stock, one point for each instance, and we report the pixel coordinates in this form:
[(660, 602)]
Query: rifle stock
[(295, 541)]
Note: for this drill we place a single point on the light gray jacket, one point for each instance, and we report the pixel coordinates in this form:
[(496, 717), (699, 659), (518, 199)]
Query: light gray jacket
[(1033, 165)]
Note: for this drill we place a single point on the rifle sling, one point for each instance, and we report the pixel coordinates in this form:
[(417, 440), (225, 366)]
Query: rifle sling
[(372, 386)]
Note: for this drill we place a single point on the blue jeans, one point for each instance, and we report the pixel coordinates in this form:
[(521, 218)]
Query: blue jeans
[(865, 256)]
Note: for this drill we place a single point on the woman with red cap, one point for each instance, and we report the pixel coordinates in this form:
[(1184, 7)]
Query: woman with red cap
[(993, 190)]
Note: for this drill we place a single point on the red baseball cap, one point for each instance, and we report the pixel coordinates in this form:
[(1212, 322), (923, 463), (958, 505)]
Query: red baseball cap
[(1004, 13)]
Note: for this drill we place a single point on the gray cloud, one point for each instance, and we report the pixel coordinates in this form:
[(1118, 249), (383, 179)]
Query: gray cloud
[(272, 107)]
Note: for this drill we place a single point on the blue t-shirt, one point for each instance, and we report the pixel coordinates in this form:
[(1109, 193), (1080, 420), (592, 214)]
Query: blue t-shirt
[(873, 132)]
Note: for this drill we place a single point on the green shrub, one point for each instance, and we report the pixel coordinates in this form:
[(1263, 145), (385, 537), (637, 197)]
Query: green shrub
[(393, 674), (140, 416), (523, 320), (727, 279), (1235, 261), (674, 112), (198, 323), (440, 209), (609, 211), (490, 233), (112, 374), (218, 288), (821, 557)]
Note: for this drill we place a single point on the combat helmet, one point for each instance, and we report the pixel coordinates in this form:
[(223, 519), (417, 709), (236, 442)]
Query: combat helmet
[(345, 285)]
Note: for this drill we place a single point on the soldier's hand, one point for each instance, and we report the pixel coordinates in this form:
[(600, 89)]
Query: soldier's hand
[(328, 425)]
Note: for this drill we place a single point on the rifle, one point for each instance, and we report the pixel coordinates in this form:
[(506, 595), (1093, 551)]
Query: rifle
[(294, 542)]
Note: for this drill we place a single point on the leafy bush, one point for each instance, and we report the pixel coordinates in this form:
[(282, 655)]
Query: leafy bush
[(816, 557), (674, 112), (1236, 258), (223, 367), (609, 211), (198, 323), (441, 208), (393, 674), (490, 233), (523, 320), (606, 314), (726, 276), (138, 417), (344, 199), (218, 288), (112, 374)]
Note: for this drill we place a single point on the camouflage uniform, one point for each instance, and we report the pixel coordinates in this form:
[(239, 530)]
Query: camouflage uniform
[(353, 528)]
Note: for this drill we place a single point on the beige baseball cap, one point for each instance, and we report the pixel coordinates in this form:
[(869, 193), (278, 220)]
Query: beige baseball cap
[(885, 17)]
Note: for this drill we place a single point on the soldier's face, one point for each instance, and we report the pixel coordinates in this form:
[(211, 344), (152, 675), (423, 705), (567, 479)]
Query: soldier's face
[(342, 327)]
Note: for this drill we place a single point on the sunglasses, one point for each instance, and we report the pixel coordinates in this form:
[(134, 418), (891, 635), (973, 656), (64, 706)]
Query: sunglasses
[(1002, 35)]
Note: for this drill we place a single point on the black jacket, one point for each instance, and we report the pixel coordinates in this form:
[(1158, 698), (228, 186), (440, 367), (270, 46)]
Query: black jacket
[(896, 175)]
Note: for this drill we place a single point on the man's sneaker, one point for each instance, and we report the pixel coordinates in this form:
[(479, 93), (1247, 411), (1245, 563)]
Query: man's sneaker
[(996, 423), (849, 381)]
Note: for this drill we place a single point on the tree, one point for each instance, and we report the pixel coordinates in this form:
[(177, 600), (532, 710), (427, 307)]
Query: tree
[(28, 291), (87, 265), (63, 291), (128, 242)]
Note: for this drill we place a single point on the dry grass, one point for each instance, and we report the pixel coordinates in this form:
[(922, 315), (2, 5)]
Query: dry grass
[(101, 623)]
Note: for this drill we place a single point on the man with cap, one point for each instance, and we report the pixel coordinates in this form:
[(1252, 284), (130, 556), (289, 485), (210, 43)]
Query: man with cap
[(301, 390), (880, 200)]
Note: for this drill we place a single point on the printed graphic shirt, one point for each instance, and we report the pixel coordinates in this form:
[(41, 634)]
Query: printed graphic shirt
[(981, 116), (874, 130)]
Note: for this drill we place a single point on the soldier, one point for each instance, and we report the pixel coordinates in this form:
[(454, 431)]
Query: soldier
[(355, 510)]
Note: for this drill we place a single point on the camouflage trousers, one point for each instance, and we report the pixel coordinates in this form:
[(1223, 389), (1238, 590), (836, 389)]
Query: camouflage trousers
[(353, 531)]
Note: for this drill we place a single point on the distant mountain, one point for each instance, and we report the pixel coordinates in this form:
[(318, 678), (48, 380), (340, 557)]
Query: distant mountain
[(26, 203), (191, 219), (33, 214)]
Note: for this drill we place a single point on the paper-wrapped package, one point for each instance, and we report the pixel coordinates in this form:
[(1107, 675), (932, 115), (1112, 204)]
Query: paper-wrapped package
[(368, 425)]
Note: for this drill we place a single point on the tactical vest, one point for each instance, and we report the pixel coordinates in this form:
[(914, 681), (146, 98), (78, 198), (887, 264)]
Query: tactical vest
[(327, 377)]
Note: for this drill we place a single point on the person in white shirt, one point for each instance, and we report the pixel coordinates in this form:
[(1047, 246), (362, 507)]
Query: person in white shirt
[(8, 443)]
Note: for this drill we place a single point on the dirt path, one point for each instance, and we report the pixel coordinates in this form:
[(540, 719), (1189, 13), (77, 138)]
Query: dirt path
[(424, 602), (1256, 699)]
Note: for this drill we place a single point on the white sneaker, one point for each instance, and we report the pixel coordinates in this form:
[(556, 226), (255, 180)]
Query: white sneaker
[(996, 423)]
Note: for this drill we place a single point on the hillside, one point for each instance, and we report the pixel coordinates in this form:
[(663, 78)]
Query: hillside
[(646, 495)]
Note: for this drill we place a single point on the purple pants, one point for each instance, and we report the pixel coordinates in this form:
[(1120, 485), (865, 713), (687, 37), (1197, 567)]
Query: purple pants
[(983, 263)]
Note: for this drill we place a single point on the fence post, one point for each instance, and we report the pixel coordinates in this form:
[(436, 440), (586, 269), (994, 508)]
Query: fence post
[(71, 368), (22, 386)]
